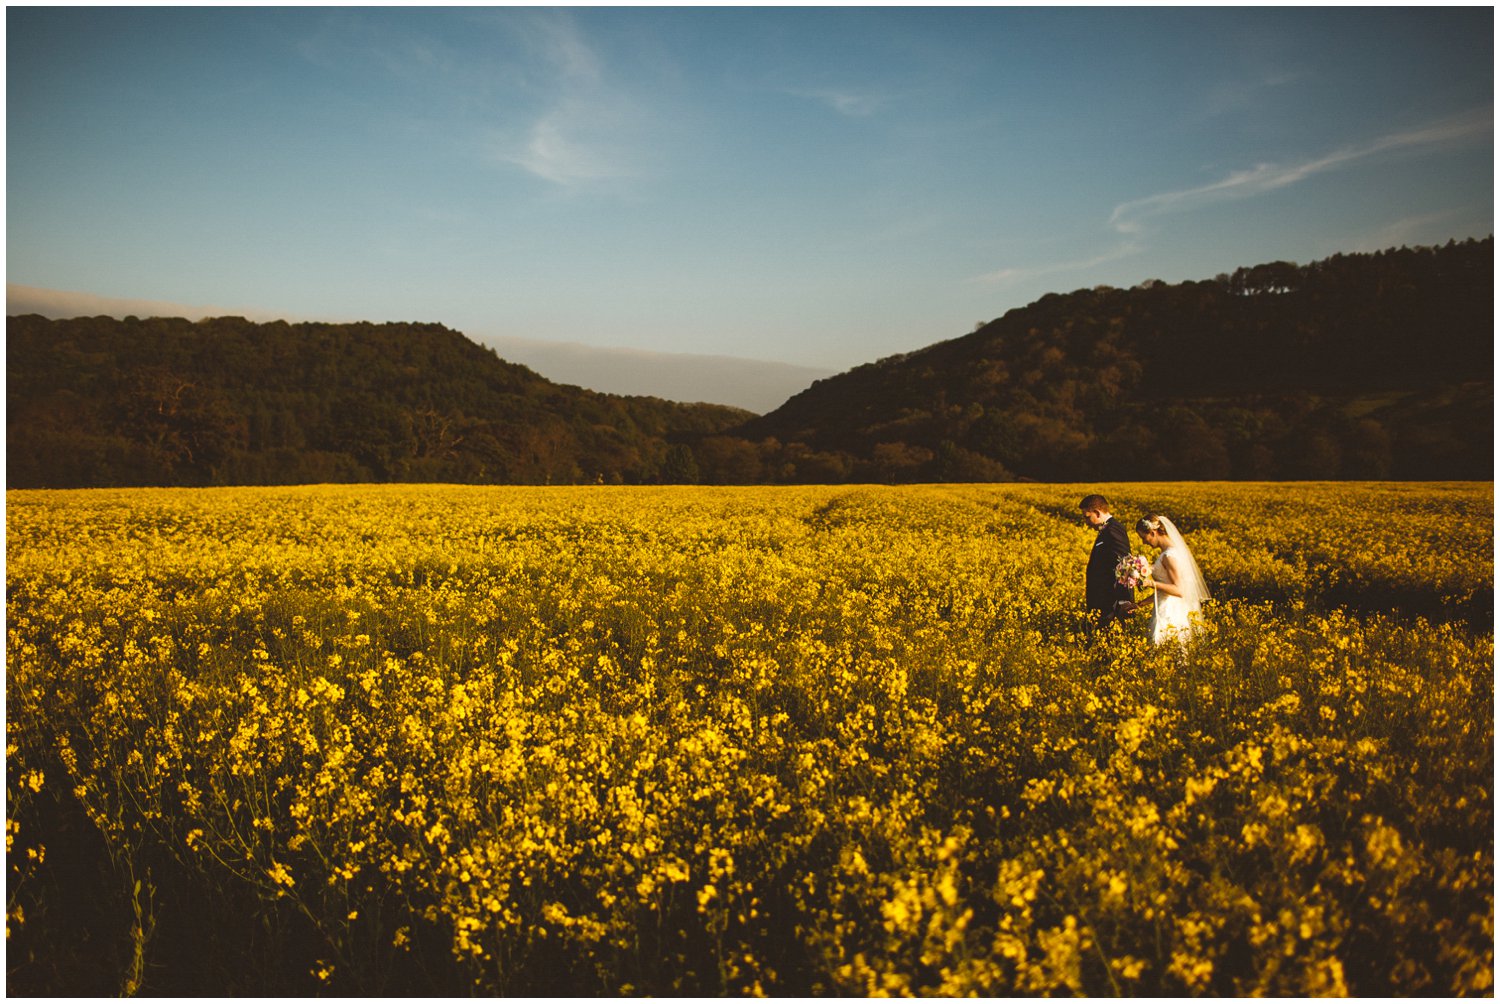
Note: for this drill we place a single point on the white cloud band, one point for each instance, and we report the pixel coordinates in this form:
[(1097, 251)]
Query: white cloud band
[(1128, 216)]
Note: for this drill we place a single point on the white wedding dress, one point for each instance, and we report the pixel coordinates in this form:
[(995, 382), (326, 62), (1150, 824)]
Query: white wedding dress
[(1172, 617)]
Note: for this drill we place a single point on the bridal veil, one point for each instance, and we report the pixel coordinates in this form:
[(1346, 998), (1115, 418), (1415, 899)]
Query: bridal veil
[(1194, 589)]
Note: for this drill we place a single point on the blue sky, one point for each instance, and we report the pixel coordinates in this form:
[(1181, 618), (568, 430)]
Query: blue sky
[(818, 187)]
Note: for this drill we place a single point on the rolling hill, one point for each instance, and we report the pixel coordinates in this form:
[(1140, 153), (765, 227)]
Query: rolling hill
[(1359, 366), (1368, 366), (100, 401)]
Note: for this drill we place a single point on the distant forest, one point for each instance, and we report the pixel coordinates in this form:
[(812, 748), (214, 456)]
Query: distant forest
[(104, 402), (1368, 366), (1365, 366)]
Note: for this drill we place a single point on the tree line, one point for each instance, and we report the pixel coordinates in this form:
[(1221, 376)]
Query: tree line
[(101, 401), (1367, 366)]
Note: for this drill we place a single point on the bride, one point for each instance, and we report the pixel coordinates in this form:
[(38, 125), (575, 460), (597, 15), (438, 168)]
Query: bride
[(1180, 590)]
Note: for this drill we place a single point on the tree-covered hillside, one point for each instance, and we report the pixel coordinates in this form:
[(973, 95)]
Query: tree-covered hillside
[(1360, 366), (100, 401)]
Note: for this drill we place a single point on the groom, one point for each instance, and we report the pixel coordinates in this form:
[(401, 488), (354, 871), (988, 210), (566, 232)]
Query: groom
[(1102, 594)]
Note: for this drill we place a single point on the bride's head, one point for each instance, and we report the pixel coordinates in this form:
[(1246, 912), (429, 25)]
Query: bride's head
[(1153, 530)]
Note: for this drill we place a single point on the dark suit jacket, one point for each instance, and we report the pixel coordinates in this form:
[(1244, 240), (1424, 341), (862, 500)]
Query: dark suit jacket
[(1101, 592)]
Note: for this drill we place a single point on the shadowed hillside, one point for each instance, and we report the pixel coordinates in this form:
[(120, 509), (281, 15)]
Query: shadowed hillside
[(98, 401), (1360, 366)]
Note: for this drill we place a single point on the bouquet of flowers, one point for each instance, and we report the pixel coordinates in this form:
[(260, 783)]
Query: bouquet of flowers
[(1133, 571)]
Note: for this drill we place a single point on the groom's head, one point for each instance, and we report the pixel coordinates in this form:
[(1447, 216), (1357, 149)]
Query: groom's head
[(1095, 510)]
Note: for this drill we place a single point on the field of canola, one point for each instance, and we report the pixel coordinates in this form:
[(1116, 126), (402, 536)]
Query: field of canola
[(841, 740)]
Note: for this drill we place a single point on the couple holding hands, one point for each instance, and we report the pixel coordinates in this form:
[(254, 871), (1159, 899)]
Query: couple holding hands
[(1114, 573)]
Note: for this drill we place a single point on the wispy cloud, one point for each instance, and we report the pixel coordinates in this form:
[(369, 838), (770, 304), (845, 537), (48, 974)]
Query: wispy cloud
[(577, 140), (353, 42), (586, 129), (1245, 93), (1004, 275), (1129, 217), (846, 101), (540, 98), (556, 38)]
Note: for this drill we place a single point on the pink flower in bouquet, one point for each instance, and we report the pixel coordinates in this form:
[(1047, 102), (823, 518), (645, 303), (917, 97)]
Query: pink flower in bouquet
[(1133, 571)]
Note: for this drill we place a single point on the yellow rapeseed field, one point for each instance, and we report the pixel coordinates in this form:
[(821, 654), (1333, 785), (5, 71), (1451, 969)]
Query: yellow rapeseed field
[(826, 740)]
